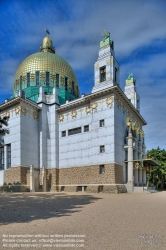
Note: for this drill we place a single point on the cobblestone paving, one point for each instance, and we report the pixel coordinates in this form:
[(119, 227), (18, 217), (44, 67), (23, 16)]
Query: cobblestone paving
[(83, 221)]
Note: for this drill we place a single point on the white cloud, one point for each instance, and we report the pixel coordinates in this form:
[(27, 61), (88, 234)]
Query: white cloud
[(76, 28)]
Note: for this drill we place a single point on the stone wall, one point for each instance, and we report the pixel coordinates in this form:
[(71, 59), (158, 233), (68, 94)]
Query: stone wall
[(16, 175), (91, 175)]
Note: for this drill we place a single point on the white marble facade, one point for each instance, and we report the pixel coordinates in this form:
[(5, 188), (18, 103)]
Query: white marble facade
[(40, 133)]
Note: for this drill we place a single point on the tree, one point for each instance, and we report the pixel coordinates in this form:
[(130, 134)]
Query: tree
[(4, 121), (157, 176)]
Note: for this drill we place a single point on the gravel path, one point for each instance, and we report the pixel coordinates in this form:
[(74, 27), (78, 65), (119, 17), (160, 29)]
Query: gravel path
[(83, 221)]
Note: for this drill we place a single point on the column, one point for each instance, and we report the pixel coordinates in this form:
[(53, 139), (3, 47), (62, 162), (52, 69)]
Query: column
[(129, 185), (32, 180), (136, 158), (140, 176), (44, 179)]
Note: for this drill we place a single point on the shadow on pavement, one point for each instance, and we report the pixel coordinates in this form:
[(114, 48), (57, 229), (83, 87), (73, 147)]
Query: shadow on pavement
[(20, 208)]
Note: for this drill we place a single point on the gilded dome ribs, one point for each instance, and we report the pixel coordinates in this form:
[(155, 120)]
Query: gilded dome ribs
[(59, 72)]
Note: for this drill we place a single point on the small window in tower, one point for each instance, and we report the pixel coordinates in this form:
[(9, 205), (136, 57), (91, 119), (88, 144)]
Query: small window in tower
[(66, 83), (102, 74), (37, 78), (28, 80), (102, 149), (101, 123), (73, 87), (20, 82), (57, 80)]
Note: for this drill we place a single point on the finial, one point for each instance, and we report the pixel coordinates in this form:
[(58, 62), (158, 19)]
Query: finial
[(47, 31)]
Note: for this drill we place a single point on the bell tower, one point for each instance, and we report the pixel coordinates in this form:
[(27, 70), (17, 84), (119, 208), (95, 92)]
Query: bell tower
[(131, 92), (106, 68)]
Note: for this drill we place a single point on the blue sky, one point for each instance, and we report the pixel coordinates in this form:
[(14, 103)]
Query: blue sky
[(137, 28)]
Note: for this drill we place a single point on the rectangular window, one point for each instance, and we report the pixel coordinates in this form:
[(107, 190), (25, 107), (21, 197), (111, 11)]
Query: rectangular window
[(103, 74), (28, 80), (72, 87), (47, 78), (86, 128), (100, 188), (74, 131), (116, 74), (57, 80), (20, 82), (37, 78), (101, 123), (102, 149), (8, 155), (66, 83), (102, 170), (1, 158), (79, 188), (63, 133)]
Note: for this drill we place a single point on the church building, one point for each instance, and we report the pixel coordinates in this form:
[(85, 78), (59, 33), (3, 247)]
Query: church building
[(60, 140)]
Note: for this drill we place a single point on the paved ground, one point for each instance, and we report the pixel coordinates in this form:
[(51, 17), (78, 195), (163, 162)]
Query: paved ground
[(82, 221)]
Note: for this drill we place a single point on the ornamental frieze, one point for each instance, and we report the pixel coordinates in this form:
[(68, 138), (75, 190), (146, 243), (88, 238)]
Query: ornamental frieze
[(93, 106), (109, 101), (74, 113), (20, 110)]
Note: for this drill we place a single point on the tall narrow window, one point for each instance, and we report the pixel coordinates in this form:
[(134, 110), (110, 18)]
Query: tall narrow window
[(8, 155), (102, 170), (57, 80), (28, 80), (102, 74), (73, 87), (66, 83), (37, 78), (20, 82), (116, 74), (47, 78), (1, 158)]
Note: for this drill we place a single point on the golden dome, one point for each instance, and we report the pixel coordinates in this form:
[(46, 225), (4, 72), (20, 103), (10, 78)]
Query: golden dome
[(46, 62)]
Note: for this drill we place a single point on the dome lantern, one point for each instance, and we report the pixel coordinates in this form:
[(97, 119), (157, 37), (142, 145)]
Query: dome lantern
[(47, 44)]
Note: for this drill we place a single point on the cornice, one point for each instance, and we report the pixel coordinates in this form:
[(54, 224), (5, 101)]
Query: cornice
[(114, 90), (17, 100)]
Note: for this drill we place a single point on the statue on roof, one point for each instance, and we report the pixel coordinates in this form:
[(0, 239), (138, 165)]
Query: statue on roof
[(105, 35), (130, 76)]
